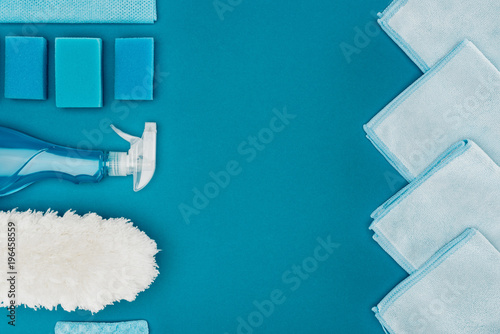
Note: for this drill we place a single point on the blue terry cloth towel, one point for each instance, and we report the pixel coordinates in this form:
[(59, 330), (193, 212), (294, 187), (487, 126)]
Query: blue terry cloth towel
[(427, 30), (457, 291), (457, 99), (128, 327), (78, 11), (459, 190)]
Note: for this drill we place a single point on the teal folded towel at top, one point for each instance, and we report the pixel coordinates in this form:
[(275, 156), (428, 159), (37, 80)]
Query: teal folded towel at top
[(78, 11), (457, 291), (427, 30), (458, 99), (128, 327)]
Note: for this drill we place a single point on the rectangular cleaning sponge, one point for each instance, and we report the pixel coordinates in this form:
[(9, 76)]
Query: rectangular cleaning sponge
[(26, 68), (78, 72), (134, 68)]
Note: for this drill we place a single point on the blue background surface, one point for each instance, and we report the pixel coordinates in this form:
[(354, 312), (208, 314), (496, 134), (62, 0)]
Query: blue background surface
[(318, 177)]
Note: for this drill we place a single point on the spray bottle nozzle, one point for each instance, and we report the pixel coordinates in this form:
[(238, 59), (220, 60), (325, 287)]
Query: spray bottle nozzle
[(140, 160)]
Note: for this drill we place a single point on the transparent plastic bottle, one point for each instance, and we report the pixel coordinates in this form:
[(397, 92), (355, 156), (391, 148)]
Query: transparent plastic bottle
[(25, 160)]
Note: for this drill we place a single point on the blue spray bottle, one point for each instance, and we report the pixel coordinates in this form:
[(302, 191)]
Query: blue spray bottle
[(25, 160)]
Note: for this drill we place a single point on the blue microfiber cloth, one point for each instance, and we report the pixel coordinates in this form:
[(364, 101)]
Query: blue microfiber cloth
[(460, 190), (78, 72), (427, 30), (134, 68), (26, 68), (457, 99), (457, 291), (128, 327), (78, 11)]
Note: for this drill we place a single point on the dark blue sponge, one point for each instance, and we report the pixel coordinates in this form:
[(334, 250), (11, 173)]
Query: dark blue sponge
[(134, 68), (26, 68)]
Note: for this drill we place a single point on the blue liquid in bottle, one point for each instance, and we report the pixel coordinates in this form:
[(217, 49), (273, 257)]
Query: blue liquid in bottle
[(25, 160)]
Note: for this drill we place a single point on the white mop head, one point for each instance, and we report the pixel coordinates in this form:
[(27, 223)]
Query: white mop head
[(77, 262)]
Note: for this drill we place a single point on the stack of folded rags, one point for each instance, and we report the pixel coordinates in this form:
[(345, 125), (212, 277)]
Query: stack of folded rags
[(443, 135)]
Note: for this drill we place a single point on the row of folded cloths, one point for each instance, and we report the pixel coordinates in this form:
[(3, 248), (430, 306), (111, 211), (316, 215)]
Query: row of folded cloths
[(443, 227)]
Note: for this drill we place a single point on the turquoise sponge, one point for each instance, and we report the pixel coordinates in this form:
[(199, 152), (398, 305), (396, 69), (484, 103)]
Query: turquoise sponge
[(26, 68), (78, 72), (134, 68)]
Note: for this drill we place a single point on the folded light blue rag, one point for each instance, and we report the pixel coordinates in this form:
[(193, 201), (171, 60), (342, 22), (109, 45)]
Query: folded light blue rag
[(460, 190), (128, 327), (78, 11), (457, 99), (427, 30), (457, 291)]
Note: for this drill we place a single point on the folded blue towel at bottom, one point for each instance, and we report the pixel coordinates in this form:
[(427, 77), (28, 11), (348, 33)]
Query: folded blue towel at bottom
[(457, 291), (127, 327)]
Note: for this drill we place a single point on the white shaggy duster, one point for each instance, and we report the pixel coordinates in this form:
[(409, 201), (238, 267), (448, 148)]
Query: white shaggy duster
[(77, 262)]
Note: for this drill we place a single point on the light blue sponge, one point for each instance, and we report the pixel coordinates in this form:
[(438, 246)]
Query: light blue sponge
[(134, 68), (128, 327), (78, 72), (26, 68)]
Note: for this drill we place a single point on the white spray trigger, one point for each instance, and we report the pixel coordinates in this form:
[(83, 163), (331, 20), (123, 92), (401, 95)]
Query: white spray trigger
[(131, 139), (140, 161)]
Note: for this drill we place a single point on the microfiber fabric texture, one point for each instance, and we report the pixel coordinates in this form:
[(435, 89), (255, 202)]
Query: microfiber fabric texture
[(25, 68), (456, 291), (460, 190), (78, 73), (77, 262), (78, 11), (457, 99), (427, 30), (134, 68), (127, 327)]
